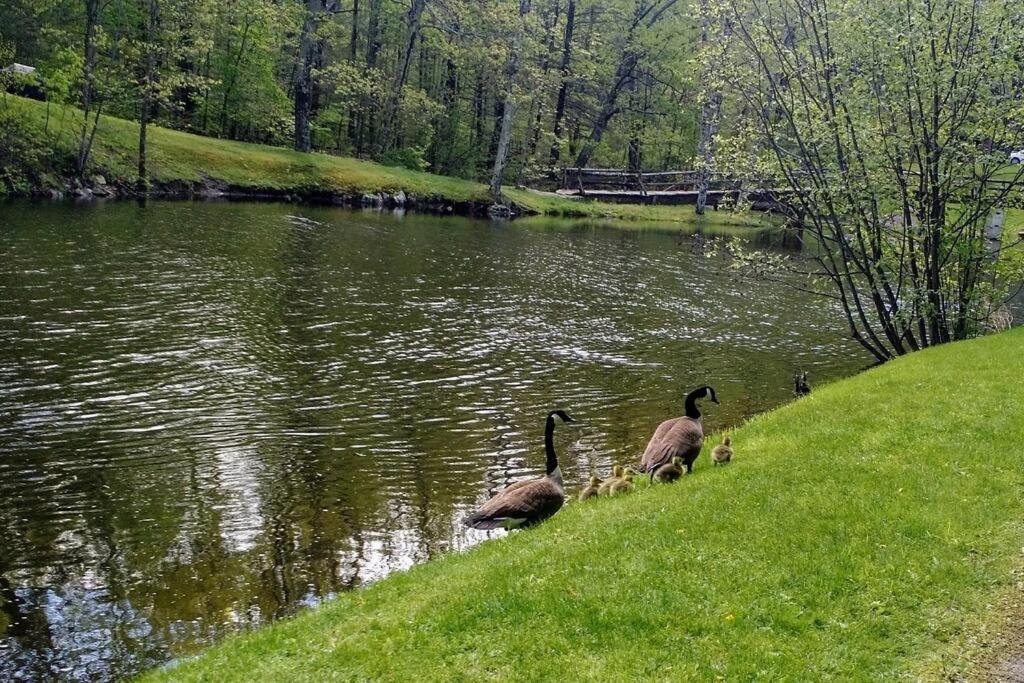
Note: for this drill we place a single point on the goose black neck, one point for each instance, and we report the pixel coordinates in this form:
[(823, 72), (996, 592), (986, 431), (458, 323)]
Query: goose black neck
[(691, 405), (549, 444)]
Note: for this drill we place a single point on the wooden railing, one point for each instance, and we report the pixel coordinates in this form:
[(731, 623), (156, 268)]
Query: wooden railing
[(609, 179), (583, 179)]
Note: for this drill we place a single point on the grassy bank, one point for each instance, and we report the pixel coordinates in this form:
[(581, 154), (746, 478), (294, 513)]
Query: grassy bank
[(861, 534), (176, 157)]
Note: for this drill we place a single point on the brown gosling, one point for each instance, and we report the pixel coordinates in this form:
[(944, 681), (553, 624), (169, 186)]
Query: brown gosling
[(670, 472), (590, 491), (722, 452), (606, 486), (623, 485)]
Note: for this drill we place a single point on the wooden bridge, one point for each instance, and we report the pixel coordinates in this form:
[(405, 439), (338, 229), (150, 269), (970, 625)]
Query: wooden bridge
[(682, 187), (667, 187)]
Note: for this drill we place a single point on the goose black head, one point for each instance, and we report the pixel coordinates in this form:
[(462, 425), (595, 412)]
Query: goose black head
[(562, 414), (704, 392)]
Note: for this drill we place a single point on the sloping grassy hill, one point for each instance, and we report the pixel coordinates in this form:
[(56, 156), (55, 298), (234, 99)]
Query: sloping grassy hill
[(175, 156), (860, 534)]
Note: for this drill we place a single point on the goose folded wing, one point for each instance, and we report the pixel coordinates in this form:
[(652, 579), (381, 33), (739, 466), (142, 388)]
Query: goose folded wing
[(523, 502), (674, 437), (659, 449)]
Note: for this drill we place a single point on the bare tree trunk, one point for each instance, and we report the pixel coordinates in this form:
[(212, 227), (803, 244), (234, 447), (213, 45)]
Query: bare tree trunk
[(303, 99), (505, 137), (373, 34), (563, 89), (499, 117), (353, 51), (478, 124), (353, 41), (413, 21), (366, 125), (146, 101), (541, 96), (710, 114), (448, 121), (92, 18), (609, 106), (710, 111), (229, 87)]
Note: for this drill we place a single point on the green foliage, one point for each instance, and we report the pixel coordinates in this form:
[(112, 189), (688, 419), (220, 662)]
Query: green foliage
[(228, 69), (182, 157), (406, 157), (22, 153), (891, 122), (6, 57), (862, 533)]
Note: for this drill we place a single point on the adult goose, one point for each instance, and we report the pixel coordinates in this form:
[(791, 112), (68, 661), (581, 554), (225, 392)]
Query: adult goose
[(680, 437), (526, 503)]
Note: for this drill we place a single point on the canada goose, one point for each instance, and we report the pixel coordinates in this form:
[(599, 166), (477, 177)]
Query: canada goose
[(590, 491), (801, 387), (622, 485), (722, 453), (606, 485), (526, 503), (681, 436), (670, 472)]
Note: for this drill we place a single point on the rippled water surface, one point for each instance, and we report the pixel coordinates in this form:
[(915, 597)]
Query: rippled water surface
[(212, 415)]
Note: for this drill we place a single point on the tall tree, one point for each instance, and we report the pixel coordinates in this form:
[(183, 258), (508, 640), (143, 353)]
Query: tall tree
[(711, 50), (563, 84), (646, 14), (88, 132), (509, 104), (151, 14), (413, 24), (303, 98)]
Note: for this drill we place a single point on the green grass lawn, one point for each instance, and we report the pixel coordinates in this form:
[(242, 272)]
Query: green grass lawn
[(177, 156), (860, 534)]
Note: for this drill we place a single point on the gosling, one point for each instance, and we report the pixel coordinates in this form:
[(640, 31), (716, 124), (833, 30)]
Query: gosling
[(606, 486), (591, 489), (623, 485), (669, 472), (722, 452)]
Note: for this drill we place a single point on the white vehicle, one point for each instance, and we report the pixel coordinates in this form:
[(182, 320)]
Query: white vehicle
[(1017, 157)]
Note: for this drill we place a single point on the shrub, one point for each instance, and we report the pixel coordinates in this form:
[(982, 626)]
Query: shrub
[(22, 154)]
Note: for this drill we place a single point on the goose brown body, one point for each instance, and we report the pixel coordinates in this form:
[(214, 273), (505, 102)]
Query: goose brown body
[(680, 437), (526, 503)]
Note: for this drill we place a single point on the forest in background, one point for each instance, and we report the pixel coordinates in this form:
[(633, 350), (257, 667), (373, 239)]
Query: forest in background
[(442, 85)]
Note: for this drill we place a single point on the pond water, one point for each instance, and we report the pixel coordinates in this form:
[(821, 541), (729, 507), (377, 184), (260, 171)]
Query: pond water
[(213, 415)]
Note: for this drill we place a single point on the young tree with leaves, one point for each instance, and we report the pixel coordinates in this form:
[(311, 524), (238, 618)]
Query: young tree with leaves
[(890, 123)]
